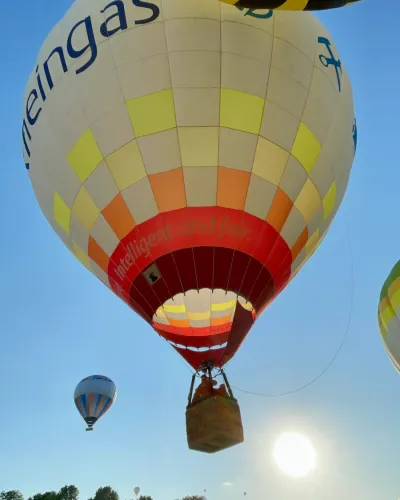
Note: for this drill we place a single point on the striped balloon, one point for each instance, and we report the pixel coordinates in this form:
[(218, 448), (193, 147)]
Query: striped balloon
[(93, 396), (289, 4)]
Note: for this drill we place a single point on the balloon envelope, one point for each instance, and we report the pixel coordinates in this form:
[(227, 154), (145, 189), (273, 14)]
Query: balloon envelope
[(192, 157), (94, 396), (289, 4), (137, 490), (389, 315)]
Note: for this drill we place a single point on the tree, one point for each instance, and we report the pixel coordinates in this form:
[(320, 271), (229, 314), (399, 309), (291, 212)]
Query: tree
[(11, 495), (195, 497), (68, 493), (106, 493), (48, 495)]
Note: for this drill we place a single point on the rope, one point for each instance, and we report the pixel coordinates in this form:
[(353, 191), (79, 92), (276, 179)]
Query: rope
[(339, 350)]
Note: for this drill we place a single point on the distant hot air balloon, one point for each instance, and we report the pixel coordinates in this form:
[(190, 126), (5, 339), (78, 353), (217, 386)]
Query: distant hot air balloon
[(289, 4), (389, 315), (192, 158), (94, 396), (137, 490)]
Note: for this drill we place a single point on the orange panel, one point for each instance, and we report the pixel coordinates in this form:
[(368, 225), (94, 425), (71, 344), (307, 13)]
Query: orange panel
[(299, 245), (232, 188), (279, 211), (169, 190), (97, 254), (180, 323), (117, 214), (221, 321)]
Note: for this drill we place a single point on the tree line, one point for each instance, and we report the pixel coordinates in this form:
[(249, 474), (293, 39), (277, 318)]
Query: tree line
[(72, 493)]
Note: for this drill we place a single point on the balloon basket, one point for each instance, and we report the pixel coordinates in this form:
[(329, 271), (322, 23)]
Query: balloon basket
[(89, 429), (214, 424)]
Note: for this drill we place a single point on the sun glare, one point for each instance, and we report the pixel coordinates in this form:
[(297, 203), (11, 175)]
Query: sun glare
[(294, 455)]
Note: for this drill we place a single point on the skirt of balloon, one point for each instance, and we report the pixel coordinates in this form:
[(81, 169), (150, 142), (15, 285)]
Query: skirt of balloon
[(214, 424)]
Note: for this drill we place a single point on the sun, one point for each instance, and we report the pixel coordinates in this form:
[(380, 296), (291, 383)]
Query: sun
[(294, 454)]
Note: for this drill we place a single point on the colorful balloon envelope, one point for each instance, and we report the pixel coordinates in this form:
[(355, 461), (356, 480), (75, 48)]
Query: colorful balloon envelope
[(289, 4), (389, 315), (93, 397), (191, 155)]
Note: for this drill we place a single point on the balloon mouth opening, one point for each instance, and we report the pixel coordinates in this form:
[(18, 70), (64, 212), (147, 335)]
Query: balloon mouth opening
[(199, 313)]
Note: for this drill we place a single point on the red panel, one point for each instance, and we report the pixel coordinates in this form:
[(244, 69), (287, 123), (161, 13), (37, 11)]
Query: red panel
[(169, 272), (197, 339), (250, 278), (223, 258), (204, 263), (263, 281), (240, 264), (196, 358), (185, 265)]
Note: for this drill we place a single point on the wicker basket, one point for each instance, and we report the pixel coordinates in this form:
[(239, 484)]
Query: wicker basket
[(214, 424)]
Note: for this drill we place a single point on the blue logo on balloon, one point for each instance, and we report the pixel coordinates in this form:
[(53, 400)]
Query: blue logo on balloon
[(330, 61), (252, 13)]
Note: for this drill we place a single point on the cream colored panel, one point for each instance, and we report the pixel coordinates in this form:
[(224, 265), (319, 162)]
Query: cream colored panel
[(244, 74), (78, 233), (136, 44), (299, 261), (259, 197), (113, 130), (195, 69), (318, 115), (199, 146), (293, 227), (293, 178), (292, 61), (270, 161), (160, 152), (193, 34), (228, 13), (316, 220), (104, 235), (201, 186), (101, 186), (197, 107), (299, 29), (144, 76), (322, 175), (97, 271), (98, 92), (236, 149), (279, 126), (66, 240), (141, 201), (204, 9), (286, 92), (246, 41)]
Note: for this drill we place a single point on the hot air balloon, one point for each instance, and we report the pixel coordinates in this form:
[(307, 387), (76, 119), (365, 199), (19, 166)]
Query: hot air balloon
[(192, 158), (93, 397), (389, 315), (136, 490), (289, 4)]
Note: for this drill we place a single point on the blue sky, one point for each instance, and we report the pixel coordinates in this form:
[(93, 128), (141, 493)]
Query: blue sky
[(58, 324)]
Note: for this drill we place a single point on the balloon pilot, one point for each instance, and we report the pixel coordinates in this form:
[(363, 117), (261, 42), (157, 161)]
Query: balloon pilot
[(213, 420)]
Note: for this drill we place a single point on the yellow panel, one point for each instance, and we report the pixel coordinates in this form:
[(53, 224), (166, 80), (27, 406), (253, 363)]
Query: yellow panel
[(199, 146), (81, 255), (241, 111), (293, 5), (85, 209), (312, 243), (224, 306), (85, 156), (62, 213), (308, 200), (152, 113), (126, 165), (387, 315), (160, 313), (270, 161), (174, 309), (199, 316), (329, 200), (395, 300), (306, 148)]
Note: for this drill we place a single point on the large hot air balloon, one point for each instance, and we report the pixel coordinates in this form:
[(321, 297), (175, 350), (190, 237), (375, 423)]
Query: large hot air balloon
[(94, 396), (389, 315), (191, 157), (289, 4), (136, 490)]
